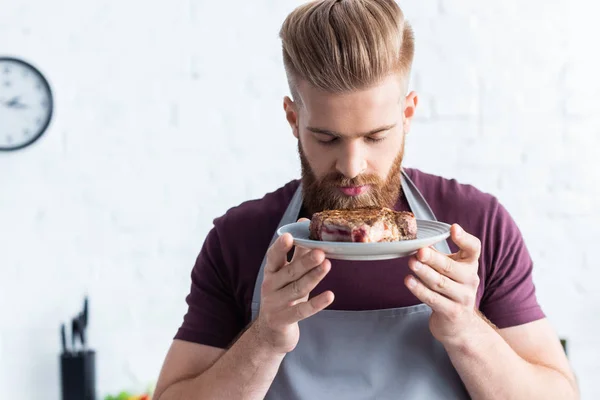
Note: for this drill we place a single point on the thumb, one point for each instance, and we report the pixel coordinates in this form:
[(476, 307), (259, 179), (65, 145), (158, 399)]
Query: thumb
[(300, 251)]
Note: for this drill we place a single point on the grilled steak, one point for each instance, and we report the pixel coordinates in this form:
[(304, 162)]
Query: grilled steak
[(366, 225)]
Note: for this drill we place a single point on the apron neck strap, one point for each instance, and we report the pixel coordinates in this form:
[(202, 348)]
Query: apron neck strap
[(420, 208)]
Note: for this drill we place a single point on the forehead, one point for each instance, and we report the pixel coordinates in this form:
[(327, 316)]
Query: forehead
[(361, 110)]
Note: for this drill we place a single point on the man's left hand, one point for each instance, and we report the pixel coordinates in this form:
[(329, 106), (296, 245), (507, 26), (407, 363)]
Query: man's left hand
[(448, 284)]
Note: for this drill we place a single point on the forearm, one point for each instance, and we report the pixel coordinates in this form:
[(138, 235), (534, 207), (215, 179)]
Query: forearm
[(245, 371), (491, 369)]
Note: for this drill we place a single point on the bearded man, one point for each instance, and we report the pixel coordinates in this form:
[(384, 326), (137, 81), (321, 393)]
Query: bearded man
[(269, 320)]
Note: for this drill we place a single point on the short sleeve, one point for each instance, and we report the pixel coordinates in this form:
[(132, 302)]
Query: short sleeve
[(213, 317), (509, 297)]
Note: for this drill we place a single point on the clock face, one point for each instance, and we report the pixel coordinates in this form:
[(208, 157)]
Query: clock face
[(25, 104)]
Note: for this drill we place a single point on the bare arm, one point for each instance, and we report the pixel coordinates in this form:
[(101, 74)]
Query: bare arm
[(523, 362), (193, 371), (184, 362), (247, 369)]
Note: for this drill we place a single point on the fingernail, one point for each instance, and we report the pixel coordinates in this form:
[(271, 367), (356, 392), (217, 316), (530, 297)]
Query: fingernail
[(324, 300), (411, 282), (459, 231), (417, 266), (423, 255)]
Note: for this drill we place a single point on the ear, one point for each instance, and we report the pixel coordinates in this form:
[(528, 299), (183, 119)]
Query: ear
[(410, 105), (291, 114)]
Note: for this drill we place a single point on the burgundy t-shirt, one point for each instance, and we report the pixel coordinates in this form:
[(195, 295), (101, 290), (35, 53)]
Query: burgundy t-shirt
[(223, 278)]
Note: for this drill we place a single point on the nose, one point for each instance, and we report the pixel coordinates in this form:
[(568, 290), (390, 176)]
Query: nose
[(351, 161)]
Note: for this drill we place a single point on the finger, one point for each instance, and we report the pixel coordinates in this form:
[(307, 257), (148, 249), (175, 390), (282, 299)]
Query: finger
[(436, 301), (470, 246), (295, 270), (299, 251), (439, 283), (300, 288), (443, 264), (305, 309), (277, 253)]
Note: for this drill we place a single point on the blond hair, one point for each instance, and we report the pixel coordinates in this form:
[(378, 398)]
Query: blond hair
[(346, 45)]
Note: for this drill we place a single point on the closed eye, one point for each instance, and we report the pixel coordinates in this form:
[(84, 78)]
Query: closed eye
[(328, 142), (333, 140), (375, 139), (326, 139)]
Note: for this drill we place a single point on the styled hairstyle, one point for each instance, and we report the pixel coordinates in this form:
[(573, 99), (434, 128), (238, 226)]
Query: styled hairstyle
[(346, 45)]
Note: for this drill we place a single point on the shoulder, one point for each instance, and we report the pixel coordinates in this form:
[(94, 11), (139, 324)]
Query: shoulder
[(482, 215), (454, 200), (259, 212), (479, 213), (245, 230)]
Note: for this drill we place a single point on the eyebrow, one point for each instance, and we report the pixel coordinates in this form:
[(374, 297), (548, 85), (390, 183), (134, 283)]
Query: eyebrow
[(337, 134)]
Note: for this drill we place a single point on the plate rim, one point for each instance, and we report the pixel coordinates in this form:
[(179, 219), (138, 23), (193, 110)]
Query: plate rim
[(373, 245)]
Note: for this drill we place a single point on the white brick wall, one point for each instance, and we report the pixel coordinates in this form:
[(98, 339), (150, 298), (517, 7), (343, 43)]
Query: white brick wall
[(162, 116)]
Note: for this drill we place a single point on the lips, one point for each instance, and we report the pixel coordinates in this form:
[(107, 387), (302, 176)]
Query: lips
[(354, 190)]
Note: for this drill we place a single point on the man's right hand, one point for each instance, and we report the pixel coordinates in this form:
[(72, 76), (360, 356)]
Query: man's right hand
[(247, 369), (285, 293)]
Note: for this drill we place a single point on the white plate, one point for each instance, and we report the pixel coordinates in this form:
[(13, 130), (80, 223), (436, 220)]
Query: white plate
[(428, 234)]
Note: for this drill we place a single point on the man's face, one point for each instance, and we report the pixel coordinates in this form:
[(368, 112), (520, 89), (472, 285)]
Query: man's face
[(351, 145)]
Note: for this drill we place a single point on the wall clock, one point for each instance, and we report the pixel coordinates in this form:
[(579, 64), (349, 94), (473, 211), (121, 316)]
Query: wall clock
[(26, 104)]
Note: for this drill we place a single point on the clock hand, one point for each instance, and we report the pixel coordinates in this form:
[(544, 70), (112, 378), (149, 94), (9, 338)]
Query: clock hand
[(14, 103)]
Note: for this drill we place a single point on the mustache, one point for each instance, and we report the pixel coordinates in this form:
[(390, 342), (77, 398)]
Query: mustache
[(338, 180)]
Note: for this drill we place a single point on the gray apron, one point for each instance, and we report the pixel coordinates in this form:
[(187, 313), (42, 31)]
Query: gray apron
[(374, 354)]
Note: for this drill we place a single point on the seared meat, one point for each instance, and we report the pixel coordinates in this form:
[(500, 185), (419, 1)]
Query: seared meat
[(366, 225)]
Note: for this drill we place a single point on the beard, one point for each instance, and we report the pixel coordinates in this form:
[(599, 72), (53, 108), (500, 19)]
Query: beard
[(324, 194)]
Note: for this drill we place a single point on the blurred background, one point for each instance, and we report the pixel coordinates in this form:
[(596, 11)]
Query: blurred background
[(163, 116)]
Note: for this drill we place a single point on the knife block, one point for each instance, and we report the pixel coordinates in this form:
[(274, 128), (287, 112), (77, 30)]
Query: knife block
[(78, 375)]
